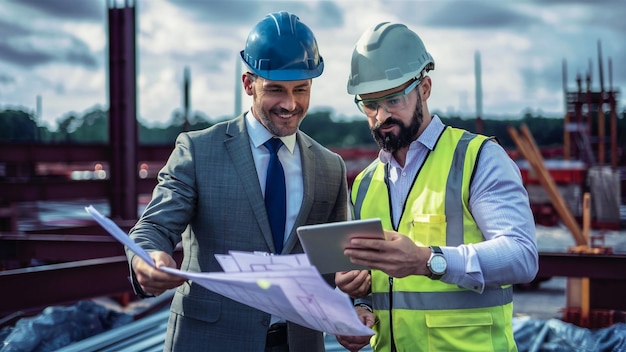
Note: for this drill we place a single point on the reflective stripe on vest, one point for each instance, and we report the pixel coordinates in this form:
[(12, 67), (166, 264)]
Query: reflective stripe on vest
[(454, 230), (368, 173), (444, 300)]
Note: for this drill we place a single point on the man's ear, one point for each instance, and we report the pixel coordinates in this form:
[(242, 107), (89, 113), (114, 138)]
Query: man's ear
[(425, 87), (247, 81)]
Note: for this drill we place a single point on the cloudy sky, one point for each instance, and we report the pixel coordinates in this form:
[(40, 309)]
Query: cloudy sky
[(57, 50)]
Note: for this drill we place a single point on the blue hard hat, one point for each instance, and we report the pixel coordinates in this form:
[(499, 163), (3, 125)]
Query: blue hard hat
[(281, 48)]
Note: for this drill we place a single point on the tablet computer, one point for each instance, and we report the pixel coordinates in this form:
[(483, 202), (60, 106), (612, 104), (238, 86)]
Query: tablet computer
[(324, 243)]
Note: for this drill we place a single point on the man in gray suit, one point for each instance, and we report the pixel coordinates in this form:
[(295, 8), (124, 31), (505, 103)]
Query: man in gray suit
[(210, 197)]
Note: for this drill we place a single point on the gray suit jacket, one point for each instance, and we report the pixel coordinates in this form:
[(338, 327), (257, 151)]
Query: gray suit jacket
[(208, 196)]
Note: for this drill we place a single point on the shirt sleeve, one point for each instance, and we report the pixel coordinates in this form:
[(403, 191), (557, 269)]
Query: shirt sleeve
[(500, 206)]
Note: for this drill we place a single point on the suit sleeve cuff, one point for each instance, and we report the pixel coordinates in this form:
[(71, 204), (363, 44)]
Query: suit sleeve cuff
[(134, 283)]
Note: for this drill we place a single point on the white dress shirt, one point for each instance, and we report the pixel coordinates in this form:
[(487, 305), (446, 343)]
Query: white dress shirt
[(289, 157)]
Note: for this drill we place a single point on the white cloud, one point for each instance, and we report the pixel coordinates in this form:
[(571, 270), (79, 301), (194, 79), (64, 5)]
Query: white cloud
[(522, 46)]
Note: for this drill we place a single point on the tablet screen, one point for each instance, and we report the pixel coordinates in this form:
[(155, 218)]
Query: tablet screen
[(324, 243)]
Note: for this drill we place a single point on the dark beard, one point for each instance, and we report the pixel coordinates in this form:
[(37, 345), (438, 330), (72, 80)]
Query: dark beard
[(392, 143)]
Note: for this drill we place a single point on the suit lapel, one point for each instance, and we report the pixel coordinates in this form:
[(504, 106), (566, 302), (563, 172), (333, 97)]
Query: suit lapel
[(237, 145)]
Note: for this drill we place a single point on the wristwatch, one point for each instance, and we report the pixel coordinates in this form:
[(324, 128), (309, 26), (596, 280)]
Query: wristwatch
[(437, 263)]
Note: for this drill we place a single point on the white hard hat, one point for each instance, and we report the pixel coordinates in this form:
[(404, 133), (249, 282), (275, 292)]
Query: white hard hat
[(386, 56)]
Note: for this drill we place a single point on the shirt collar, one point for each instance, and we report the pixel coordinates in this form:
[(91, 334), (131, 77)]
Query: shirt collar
[(259, 134), (428, 139)]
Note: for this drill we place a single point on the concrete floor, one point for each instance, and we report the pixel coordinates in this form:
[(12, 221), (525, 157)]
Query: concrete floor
[(545, 302)]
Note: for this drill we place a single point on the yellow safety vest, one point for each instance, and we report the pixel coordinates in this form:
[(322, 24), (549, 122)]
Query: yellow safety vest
[(416, 313)]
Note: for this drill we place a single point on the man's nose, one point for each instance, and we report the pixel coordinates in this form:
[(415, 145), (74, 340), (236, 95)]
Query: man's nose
[(382, 114), (288, 102)]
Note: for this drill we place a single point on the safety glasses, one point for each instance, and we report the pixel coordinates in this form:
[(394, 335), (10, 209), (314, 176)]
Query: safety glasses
[(390, 103)]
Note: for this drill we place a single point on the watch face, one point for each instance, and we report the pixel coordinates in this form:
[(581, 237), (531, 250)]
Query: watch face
[(438, 264)]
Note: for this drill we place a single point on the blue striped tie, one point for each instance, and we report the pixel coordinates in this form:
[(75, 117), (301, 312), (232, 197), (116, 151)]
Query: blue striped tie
[(275, 193)]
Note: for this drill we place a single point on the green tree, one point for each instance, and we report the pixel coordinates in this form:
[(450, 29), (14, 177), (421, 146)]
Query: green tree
[(329, 133), (93, 127), (18, 126), (67, 125)]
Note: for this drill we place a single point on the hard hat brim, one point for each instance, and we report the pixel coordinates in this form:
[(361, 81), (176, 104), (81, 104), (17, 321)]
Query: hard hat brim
[(287, 74)]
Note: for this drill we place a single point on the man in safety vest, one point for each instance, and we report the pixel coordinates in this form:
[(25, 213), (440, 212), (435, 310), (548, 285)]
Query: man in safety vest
[(458, 225)]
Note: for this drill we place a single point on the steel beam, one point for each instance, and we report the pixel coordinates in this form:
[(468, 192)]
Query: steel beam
[(60, 189), (16, 152), (606, 273), (34, 288), (88, 228), (57, 248), (59, 284), (32, 153), (594, 266), (52, 189)]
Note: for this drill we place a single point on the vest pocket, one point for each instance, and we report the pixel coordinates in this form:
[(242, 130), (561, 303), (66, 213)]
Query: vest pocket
[(463, 331), (429, 229)]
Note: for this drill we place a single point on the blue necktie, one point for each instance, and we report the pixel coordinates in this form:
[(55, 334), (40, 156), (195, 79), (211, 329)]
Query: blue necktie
[(275, 193)]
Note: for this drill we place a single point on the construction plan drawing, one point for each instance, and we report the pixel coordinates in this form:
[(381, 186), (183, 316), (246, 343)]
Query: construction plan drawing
[(282, 285)]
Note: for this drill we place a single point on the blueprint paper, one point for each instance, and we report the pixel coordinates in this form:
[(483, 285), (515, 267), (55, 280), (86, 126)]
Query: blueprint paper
[(282, 285), (120, 235), (299, 295), (259, 261)]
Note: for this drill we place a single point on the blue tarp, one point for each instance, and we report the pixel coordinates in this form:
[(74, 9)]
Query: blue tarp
[(59, 326), (542, 335)]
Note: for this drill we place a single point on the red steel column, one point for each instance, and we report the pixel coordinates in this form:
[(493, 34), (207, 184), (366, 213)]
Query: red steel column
[(123, 128)]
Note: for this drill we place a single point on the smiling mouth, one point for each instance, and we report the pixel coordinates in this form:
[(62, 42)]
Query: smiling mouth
[(287, 115)]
